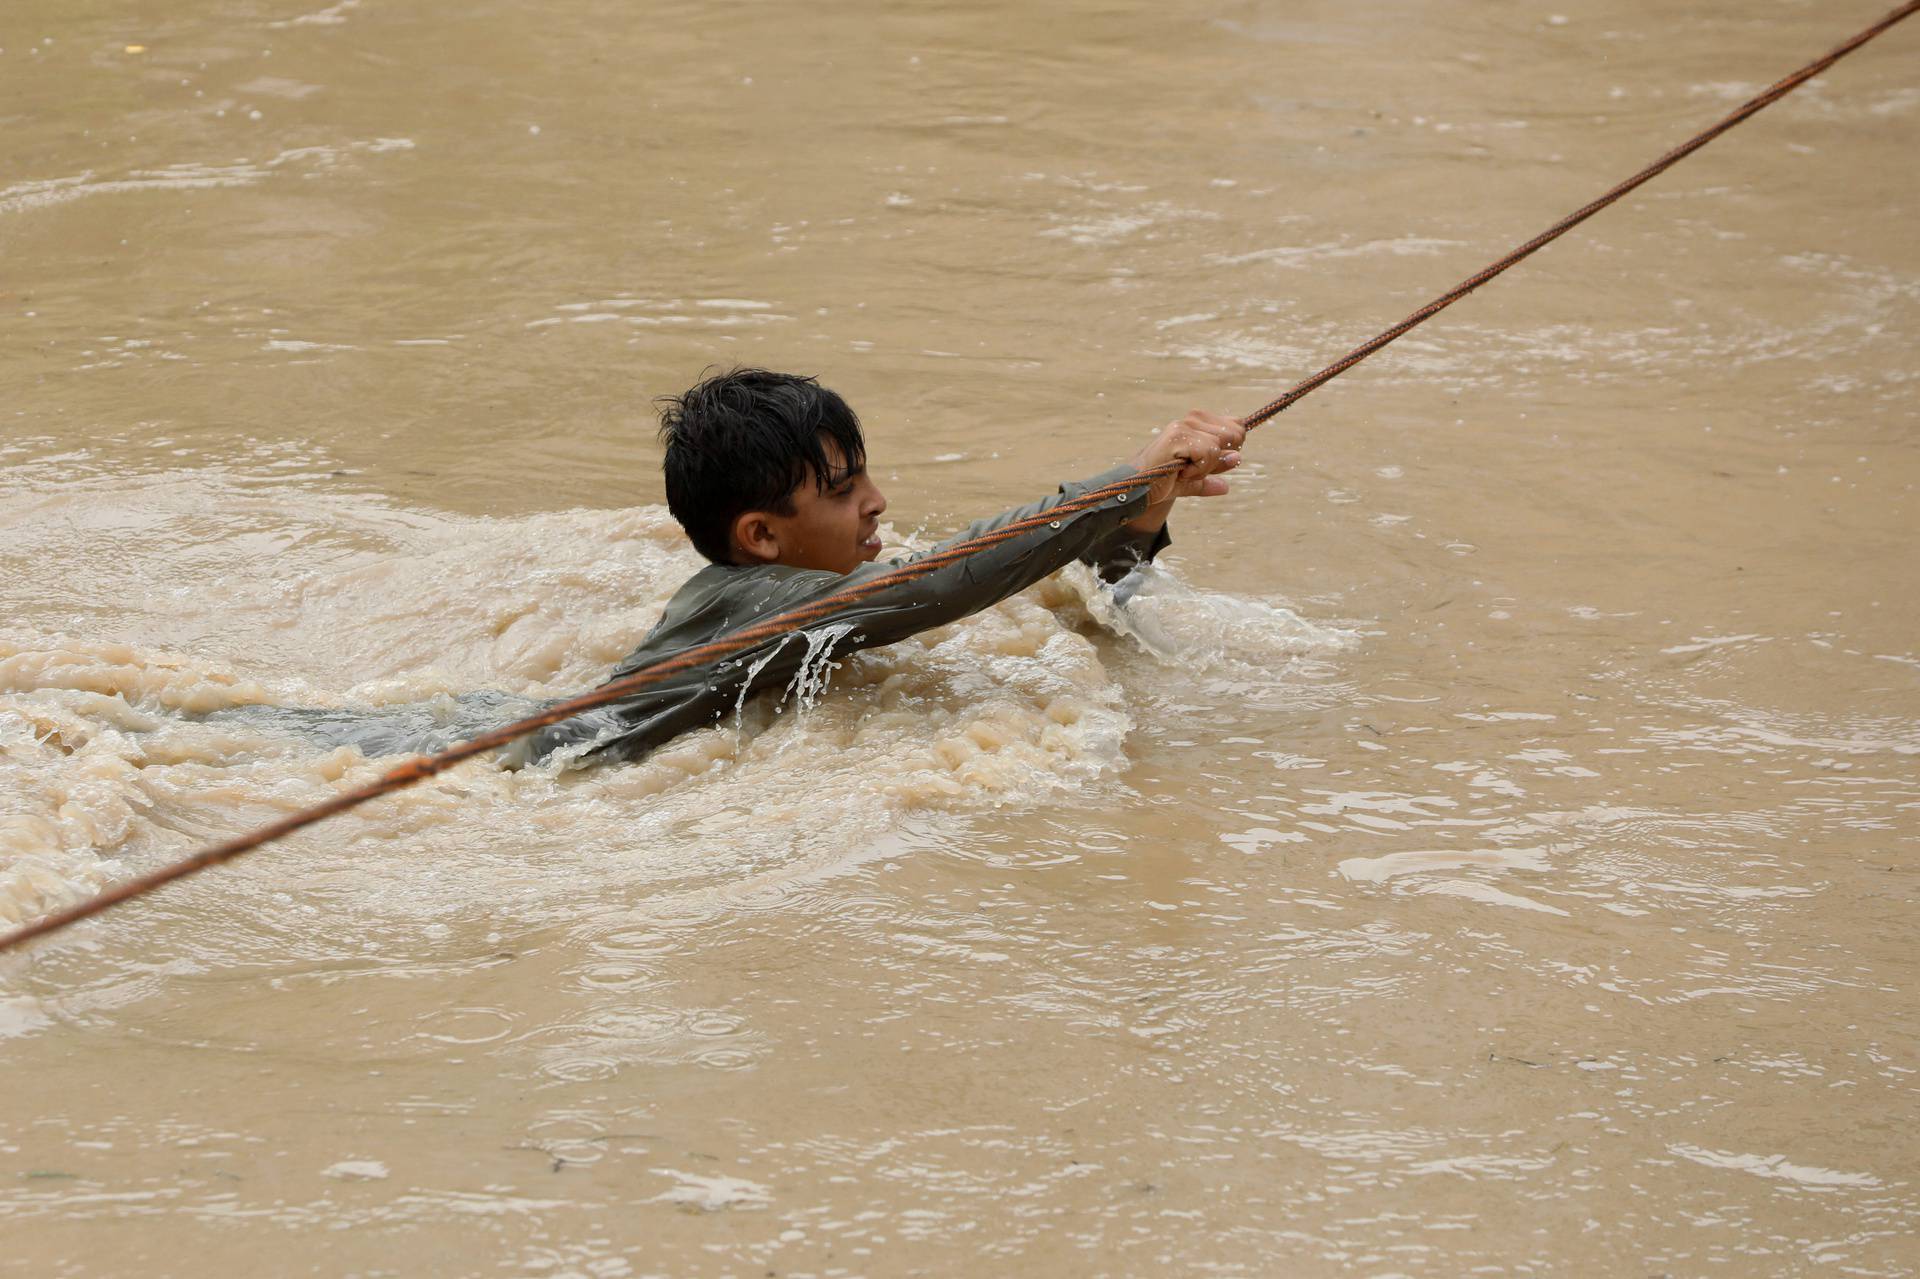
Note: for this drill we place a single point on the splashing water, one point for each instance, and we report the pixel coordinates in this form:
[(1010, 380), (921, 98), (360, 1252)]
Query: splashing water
[(110, 764), (746, 682), (810, 682), (1174, 620)]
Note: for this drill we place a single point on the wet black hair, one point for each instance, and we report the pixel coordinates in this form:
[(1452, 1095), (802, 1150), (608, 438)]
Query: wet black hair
[(746, 441)]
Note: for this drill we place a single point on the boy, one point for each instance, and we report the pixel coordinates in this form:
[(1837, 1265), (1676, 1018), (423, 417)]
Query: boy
[(767, 474)]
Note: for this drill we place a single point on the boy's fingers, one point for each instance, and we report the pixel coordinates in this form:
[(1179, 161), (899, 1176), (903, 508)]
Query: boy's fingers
[(1230, 428)]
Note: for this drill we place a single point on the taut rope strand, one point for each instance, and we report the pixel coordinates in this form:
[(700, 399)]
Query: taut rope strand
[(422, 767), (1574, 219)]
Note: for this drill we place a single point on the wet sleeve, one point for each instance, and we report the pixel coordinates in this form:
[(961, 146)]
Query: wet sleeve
[(1124, 550), (895, 609)]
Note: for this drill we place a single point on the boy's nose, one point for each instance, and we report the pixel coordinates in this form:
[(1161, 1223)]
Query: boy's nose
[(876, 503)]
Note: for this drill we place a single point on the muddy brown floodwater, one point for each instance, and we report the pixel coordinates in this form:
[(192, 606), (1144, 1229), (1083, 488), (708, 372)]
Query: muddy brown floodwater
[(1488, 847)]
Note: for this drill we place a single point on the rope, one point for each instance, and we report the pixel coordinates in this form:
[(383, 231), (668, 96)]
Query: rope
[(425, 766)]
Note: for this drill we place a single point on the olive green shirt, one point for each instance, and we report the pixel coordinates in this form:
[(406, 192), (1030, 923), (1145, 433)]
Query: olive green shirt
[(722, 598)]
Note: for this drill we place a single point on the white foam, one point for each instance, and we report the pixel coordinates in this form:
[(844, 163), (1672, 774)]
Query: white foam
[(47, 192), (357, 1170), (1774, 1168), (712, 1193)]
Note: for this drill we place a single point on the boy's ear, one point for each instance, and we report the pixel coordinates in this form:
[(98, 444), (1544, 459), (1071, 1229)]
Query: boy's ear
[(754, 538)]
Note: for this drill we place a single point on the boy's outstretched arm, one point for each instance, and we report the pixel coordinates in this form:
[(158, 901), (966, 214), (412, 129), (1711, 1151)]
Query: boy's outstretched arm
[(724, 598)]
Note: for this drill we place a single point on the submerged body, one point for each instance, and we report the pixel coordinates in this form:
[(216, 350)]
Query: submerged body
[(723, 598)]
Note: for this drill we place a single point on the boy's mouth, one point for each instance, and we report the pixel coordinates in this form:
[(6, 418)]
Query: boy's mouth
[(870, 544)]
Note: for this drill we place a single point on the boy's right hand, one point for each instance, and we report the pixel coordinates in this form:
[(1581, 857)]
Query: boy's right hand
[(1207, 443)]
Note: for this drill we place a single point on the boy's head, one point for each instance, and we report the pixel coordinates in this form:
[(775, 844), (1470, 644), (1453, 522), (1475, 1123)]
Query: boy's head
[(770, 468)]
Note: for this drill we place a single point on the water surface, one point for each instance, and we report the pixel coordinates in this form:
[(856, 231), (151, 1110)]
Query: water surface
[(1487, 847)]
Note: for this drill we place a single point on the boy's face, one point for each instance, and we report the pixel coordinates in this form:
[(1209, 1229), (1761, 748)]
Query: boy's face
[(834, 526)]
